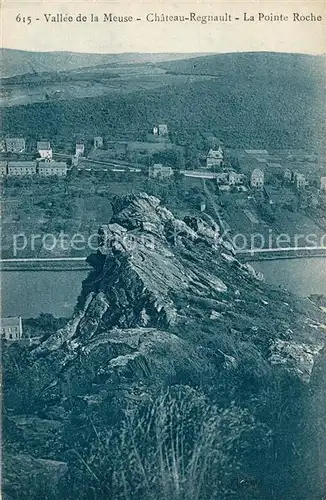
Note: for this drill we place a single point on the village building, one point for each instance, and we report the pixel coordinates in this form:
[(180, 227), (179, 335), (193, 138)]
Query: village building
[(160, 171), (80, 149), (11, 328), (222, 177), (44, 149), (323, 183), (163, 130), (47, 168), (15, 145), (287, 175), (313, 201), (2, 146), (236, 179), (3, 168), (300, 181), (74, 161), (98, 142), (214, 158), (21, 168), (257, 179), (155, 130)]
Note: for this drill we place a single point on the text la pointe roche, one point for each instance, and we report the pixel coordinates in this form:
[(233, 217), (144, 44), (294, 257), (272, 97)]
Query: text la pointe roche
[(154, 17)]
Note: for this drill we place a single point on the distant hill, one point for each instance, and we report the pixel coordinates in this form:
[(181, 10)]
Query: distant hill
[(252, 64), (18, 62), (250, 99)]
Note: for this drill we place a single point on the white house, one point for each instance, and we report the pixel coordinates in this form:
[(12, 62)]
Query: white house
[(160, 171), (11, 328), (44, 149), (163, 129), (214, 158), (257, 179), (80, 149), (287, 175), (300, 181)]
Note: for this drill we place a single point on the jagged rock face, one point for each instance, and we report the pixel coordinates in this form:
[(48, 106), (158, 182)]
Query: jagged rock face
[(168, 303), (155, 271)]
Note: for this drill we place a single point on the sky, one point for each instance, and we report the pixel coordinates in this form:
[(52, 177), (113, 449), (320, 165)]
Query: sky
[(36, 34)]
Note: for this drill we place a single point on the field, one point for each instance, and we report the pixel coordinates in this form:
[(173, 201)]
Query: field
[(88, 82), (60, 218)]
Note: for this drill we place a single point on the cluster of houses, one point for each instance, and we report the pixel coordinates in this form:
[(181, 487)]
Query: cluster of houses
[(43, 167), (300, 181), (225, 179), (296, 178)]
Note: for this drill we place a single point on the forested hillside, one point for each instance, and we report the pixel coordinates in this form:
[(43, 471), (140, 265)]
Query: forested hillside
[(274, 100)]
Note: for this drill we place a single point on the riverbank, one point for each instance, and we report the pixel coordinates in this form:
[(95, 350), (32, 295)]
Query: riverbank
[(59, 264)]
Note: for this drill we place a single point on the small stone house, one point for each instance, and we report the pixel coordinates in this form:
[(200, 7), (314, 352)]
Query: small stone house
[(300, 181), (163, 129), (236, 179), (80, 149), (15, 145), (257, 179), (11, 328), (160, 171), (214, 158), (98, 142), (44, 149)]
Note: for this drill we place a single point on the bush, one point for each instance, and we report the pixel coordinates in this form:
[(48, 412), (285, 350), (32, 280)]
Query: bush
[(175, 447)]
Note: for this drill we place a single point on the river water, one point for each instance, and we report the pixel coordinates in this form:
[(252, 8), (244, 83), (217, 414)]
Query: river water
[(301, 276), (28, 293)]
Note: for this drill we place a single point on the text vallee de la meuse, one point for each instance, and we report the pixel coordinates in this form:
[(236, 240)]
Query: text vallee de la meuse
[(154, 17)]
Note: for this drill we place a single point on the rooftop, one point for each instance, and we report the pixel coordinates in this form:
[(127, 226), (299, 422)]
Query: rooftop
[(43, 145), (12, 321), (52, 164), (22, 163)]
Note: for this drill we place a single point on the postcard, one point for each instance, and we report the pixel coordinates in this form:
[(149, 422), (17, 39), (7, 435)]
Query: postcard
[(163, 250)]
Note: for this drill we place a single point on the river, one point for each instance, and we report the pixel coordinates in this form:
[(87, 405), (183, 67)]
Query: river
[(301, 276), (28, 293)]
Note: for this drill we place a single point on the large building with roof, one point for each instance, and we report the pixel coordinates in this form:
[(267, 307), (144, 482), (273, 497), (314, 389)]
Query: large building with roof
[(44, 149), (15, 145), (47, 168), (21, 168), (257, 179), (214, 158)]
